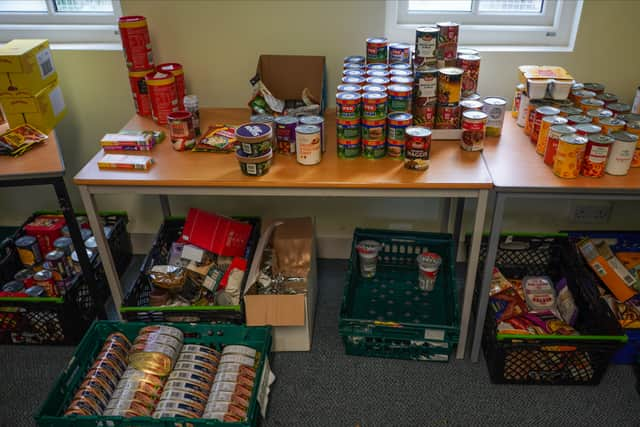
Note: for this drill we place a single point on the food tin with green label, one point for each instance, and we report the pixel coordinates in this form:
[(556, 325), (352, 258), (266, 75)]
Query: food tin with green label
[(348, 132), (371, 150), (373, 131), (377, 50), (374, 106), (400, 98), (397, 124), (349, 151), (348, 105)]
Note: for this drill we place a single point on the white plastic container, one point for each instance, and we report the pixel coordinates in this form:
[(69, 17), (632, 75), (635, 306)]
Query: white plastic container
[(560, 89), (537, 88)]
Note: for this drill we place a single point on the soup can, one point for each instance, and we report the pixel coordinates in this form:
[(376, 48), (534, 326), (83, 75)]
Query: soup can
[(399, 52), (495, 109), (449, 85), (44, 279), (353, 73), (353, 80), (308, 145), (348, 105), (316, 121), (140, 92), (374, 88), (177, 72), (567, 162), (447, 49), (424, 114), (355, 59), (162, 94), (401, 80), (397, 124), (350, 88), (597, 88), (473, 130), (612, 125), (373, 132), (418, 148), (595, 155), (581, 94), (537, 120), (400, 98), (591, 104), (555, 133), (599, 113), (374, 105), (181, 130), (515, 107), (588, 129), (543, 135), (447, 116), (28, 251), (286, 132), (471, 66), (621, 153), (136, 42), (377, 73), (426, 44), (377, 50), (619, 108), (607, 97)]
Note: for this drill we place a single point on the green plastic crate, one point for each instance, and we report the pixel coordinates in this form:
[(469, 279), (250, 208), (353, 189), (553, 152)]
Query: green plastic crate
[(50, 414), (388, 315)]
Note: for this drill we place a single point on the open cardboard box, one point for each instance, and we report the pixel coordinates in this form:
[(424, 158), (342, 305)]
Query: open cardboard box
[(290, 315)]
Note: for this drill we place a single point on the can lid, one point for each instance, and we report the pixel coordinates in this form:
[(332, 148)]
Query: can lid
[(467, 51), (377, 80), (62, 242), (555, 120), (594, 87), (54, 255), (344, 96), (495, 100), (600, 113), (311, 120), (159, 77), (399, 116), (374, 96), (349, 87), (573, 139), (400, 73), (588, 128), (353, 73), (377, 40), (353, 66), (612, 121), (474, 115), (577, 86), (357, 59), (451, 71), (607, 96), (419, 131), (25, 241), (399, 46), (353, 79), (401, 80), (377, 66), (377, 73), (583, 93), (13, 286), (170, 67), (471, 104), (42, 275), (619, 107), (592, 101), (307, 129), (466, 57), (261, 118), (571, 110), (374, 88), (254, 131), (447, 24), (400, 88), (598, 138), (547, 110), (475, 97), (563, 129), (428, 29), (624, 136), (35, 291), (579, 118), (400, 66)]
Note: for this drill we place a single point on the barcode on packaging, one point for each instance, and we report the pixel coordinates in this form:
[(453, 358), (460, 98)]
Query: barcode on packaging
[(45, 62)]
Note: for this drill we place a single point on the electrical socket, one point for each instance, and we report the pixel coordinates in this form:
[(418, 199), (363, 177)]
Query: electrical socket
[(590, 213)]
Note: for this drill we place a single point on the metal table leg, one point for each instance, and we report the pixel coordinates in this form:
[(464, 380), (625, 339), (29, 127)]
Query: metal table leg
[(490, 260), (88, 272), (445, 213), (472, 267), (103, 248), (166, 207), (458, 235)]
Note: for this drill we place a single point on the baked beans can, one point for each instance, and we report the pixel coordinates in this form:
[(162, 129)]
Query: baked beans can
[(377, 50), (597, 88), (374, 105), (418, 148), (44, 279), (619, 108), (286, 130), (401, 80), (543, 135), (400, 66), (612, 125), (28, 251), (176, 71), (373, 132), (516, 100), (473, 130), (607, 97), (162, 94), (400, 98), (470, 64), (595, 155), (426, 45), (348, 106), (567, 162), (136, 42), (588, 129), (634, 128), (316, 121), (555, 133), (447, 116), (140, 92), (354, 59), (537, 120), (354, 73), (181, 130), (621, 153), (591, 104), (353, 80), (399, 52), (350, 88), (449, 85), (447, 49), (424, 114), (495, 108), (374, 88), (581, 94), (599, 113), (308, 145)]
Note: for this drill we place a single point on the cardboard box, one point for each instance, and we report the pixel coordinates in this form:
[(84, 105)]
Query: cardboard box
[(26, 67), (286, 76), (292, 316), (43, 111)]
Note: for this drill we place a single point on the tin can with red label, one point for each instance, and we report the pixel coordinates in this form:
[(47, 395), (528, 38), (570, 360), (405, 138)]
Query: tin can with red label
[(447, 116), (377, 50), (543, 135), (530, 113), (516, 100), (555, 133), (163, 95), (181, 130), (447, 41), (418, 148), (140, 92), (136, 42), (471, 66), (44, 279), (424, 114), (537, 120), (595, 155), (473, 130), (177, 72), (399, 52)]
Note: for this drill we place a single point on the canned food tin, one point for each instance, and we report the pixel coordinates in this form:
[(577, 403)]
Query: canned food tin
[(569, 156), (191, 387), (374, 89), (399, 52), (353, 80), (470, 64), (267, 119), (608, 98), (426, 43), (619, 108), (349, 88), (587, 129), (630, 118), (543, 135), (400, 73), (532, 106), (495, 108), (399, 97), (426, 86), (136, 43), (570, 111), (308, 145), (373, 132), (374, 105), (401, 80), (373, 150), (181, 130), (400, 66), (424, 115), (418, 148), (243, 359), (354, 59), (523, 112), (555, 133), (599, 113), (349, 151), (237, 369), (24, 276), (473, 130), (34, 291), (612, 125), (397, 124), (352, 66), (176, 71), (28, 251), (286, 125), (44, 279), (516, 100), (353, 73), (348, 132), (377, 50), (621, 153), (598, 88), (591, 104), (65, 245), (472, 97), (316, 121), (581, 94), (348, 106), (144, 342), (140, 92), (634, 128), (449, 85), (191, 377), (579, 119), (447, 116), (255, 138), (378, 81), (447, 41), (196, 368), (595, 155), (537, 120), (162, 94), (470, 105)]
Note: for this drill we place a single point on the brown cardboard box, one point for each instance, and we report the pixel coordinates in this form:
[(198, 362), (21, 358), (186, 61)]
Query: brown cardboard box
[(290, 315)]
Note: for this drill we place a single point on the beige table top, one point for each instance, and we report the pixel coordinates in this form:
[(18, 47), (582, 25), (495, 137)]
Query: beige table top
[(42, 161), (514, 166), (451, 167)]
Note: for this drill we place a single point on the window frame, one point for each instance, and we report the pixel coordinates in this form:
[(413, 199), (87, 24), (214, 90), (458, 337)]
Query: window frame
[(553, 31)]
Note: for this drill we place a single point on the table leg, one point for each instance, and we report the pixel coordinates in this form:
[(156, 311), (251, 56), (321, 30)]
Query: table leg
[(88, 274), (472, 268), (458, 235), (103, 248), (445, 213), (490, 260), (166, 207)]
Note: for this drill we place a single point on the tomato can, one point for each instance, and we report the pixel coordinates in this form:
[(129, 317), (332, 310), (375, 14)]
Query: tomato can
[(28, 250), (136, 42), (177, 72), (516, 100), (449, 85), (555, 133), (418, 148), (286, 128), (397, 124), (591, 104), (447, 49), (607, 97), (353, 80), (537, 120), (308, 145), (399, 52), (588, 129), (375, 89), (595, 155), (374, 105), (599, 113), (495, 108), (140, 92), (543, 135), (181, 130), (470, 64), (316, 121), (612, 125), (162, 94), (426, 44), (377, 50), (619, 108), (348, 105), (569, 156), (447, 116), (621, 153), (634, 128), (473, 130), (597, 88), (400, 98)]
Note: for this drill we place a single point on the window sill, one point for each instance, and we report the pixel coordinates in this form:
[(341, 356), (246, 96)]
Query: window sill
[(87, 46)]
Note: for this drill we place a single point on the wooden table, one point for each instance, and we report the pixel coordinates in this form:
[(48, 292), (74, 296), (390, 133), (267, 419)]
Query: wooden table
[(518, 172), (453, 174)]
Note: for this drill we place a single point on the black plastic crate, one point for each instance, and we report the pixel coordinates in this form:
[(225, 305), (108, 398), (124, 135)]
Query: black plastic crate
[(136, 302), (550, 359)]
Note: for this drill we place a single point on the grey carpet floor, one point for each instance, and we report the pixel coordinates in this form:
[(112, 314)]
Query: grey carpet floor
[(325, 387)]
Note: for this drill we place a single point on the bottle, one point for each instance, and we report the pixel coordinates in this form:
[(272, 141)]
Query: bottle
[(636, 102), (191, 105)]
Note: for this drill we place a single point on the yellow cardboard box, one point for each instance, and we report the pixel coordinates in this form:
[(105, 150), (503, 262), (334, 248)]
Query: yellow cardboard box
[(44, 110), (26, 67)]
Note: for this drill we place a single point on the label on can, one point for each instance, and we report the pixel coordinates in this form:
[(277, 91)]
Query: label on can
[(418, 147), (426, 39), (495, 109), (308, 147), (374, 106), (377, 50), (348, 131), (447, 117), (136, 42), (427, 86), (348, 151), (373, 149)]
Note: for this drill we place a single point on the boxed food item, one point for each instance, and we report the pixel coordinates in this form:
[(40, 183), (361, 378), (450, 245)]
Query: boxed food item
[(281, 288), (26, 67), (44, 110)]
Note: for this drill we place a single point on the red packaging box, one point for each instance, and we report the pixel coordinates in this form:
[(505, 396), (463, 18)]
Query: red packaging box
[(45, 228), (218, 234)]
